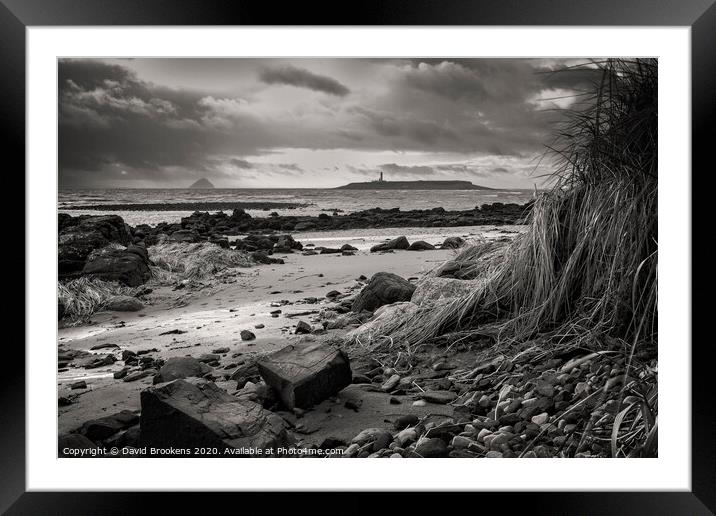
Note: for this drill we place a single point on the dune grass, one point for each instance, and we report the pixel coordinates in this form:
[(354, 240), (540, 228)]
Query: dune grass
[(584, 273), (586, 266)]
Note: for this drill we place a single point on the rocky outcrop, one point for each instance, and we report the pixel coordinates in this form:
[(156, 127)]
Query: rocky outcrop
[(197, 413), (127, 266), (383, 288), (79, 236)]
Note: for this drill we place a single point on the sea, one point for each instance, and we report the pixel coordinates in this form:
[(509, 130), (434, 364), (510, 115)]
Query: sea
[(314, 200)]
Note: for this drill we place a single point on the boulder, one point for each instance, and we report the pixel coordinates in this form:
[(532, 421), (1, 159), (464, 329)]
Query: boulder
[(79, 236), (124, 304), (176, 368), (348, 247), (421, 245), (453, 242), (305, 374), (383, 288), (121, 265), (397, 243), (197, 413)]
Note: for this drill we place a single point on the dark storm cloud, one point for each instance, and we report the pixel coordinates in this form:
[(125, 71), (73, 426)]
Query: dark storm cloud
[(115, 126), (302, 78)]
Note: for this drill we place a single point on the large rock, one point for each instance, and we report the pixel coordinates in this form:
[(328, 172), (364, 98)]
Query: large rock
[(79, 236), (177, 368), (125, 266), (383, 288), (397, 243), (197, 413), (305, 374)]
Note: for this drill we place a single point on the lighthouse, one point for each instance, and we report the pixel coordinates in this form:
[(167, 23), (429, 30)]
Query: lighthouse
[(381, 178)]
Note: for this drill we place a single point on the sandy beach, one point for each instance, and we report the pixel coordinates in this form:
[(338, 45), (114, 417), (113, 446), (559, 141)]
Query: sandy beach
[(211, 317)]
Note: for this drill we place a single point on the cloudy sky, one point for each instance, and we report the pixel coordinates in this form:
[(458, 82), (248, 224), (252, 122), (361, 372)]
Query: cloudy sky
[(272, 123)]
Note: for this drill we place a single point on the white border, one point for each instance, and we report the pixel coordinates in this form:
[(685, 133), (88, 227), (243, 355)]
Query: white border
[(671, 471)]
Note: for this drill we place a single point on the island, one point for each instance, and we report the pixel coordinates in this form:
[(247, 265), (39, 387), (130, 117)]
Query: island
[(202, 183), (413, 185)]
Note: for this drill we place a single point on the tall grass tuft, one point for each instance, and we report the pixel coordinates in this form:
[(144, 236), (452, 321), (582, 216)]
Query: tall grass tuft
[(84, 296), (179, 261), (587, 265)]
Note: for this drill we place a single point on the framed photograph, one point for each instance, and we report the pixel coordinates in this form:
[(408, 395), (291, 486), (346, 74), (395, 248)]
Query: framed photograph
[(434, 233)]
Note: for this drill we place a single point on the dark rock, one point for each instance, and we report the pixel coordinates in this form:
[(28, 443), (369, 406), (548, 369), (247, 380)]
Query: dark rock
[(302, 328), (221, 351), (79, 236), (78, 385), (104, 427), (397, 243), (421, 245), (196, 413), (382, 289), (119, 265), (453, 242), (405, 421), (247, 335), (94, 361), (104, 346), (176, 368), (305, 374), (348, 247)]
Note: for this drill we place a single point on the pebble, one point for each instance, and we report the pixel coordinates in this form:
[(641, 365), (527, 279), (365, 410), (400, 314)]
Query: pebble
[(540, 419), (459, 442), (434, 447), (407, 436)]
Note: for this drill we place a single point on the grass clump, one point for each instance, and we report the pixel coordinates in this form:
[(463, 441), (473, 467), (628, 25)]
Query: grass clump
[(176, 261), (82, 297)]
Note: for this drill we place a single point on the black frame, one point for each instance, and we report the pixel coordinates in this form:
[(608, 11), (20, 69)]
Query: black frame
[(700, 15)]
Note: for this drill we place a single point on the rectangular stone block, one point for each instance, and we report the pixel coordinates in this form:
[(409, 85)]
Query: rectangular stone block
[(305, 374)]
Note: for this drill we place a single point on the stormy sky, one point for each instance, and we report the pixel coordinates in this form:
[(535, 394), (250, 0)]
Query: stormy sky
[(273, 123)]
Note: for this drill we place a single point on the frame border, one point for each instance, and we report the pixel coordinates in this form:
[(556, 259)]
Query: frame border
[(700, 15)]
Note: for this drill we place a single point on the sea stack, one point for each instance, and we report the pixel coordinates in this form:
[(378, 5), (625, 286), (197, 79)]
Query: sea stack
[(202, 183)]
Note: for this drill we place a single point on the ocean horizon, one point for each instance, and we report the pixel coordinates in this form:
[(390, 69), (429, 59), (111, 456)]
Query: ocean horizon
[(311, 201)]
